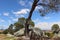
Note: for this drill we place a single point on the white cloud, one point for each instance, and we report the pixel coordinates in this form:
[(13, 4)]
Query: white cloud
[(6, 14), (25, 3), (16, 19), (21, 15), (44, 25), (17, 16), (23, 11), (36, 21), (55, 23), (22, 3), (38, 7), (1, 20), (47, 17)]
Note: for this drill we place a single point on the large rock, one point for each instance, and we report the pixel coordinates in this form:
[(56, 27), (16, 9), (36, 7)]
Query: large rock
[(9, 35), (37, 31), (22, 38), (20, 32)]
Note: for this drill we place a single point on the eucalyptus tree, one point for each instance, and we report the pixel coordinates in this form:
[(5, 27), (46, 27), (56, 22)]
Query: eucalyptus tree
[(55, 28), (18, 26), (48, 6), (21, 23), (10, 29)]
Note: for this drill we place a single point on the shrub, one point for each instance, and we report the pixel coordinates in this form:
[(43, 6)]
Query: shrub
[(5, 31), (50, 35), (0, 32)]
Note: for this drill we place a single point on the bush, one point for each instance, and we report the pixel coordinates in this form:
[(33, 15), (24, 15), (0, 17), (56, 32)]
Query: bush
[(5, 31), (0, 32), (8, 31), (50, 35)]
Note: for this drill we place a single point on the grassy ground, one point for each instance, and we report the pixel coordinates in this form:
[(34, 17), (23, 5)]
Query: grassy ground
[(5, 37)]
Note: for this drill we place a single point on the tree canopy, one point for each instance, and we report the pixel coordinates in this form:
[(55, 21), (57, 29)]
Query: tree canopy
[(21, 23), (55, 28), (48, 6)]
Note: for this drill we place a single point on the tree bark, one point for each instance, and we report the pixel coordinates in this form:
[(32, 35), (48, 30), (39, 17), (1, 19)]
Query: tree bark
[(29, 17)]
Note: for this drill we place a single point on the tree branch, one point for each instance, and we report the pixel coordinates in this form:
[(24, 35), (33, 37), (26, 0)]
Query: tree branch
[(43, 4), (47, 5)]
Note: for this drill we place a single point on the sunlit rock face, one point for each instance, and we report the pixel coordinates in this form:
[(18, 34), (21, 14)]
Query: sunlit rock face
[(20, 32), (37, 31)]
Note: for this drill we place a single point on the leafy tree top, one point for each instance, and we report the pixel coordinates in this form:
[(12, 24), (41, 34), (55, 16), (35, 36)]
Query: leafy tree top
[(55, 27), (47, 6)]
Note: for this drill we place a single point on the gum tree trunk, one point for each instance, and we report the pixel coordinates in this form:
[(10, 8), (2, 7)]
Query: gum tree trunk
[(29, 17)]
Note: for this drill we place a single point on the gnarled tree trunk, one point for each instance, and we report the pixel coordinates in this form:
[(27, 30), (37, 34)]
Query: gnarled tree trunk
[(29, 17)]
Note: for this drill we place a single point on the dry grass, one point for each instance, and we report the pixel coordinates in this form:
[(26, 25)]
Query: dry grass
[(4, 37)]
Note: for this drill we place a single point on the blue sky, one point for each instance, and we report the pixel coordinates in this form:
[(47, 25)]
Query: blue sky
[(11, 10)]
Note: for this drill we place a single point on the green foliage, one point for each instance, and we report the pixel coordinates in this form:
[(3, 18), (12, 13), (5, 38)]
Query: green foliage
[(22, 20), (21, 23), (50, 35), (49, 6), (55, 27), (10, 29), (0, 32), (31, 23), (18, 26), (5, 31)]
